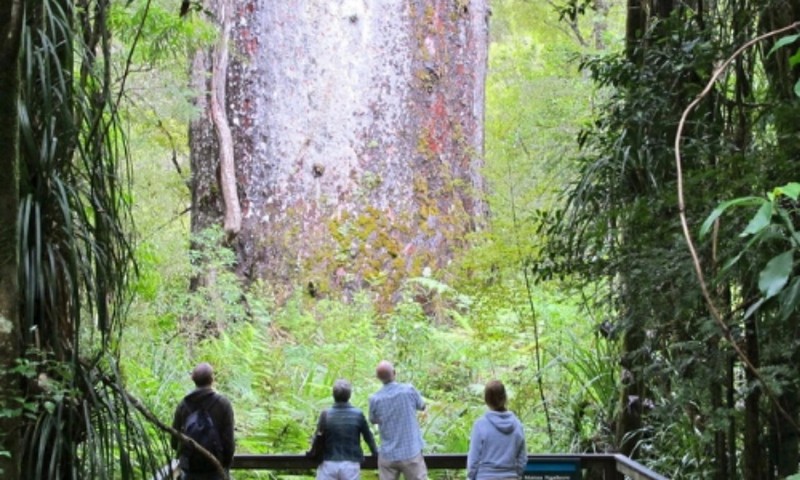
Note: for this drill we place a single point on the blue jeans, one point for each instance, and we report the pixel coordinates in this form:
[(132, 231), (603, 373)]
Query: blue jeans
[(335, 470)]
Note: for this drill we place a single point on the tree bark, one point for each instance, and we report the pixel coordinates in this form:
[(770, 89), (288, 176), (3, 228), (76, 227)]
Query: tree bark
[(635, 25), (753, 453), (219, 70), (10, 27), (600, 23), (357, 134)]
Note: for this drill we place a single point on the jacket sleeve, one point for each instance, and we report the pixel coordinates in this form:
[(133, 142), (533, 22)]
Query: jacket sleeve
[(320, 427), (368, 437), (317, 430), (419, 403), (177, 424), (227, 436), (373, 411), (473, 456), (319, 422)]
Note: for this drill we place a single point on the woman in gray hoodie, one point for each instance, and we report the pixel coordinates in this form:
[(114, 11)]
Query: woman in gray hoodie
[(497, 444)]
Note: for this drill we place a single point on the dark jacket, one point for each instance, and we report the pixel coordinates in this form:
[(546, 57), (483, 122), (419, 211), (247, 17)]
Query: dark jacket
[(221, 412), (344, 427)]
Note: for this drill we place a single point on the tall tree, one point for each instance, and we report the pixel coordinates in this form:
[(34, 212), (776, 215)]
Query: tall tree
[(66, 249), (10, 30), (340, 143)]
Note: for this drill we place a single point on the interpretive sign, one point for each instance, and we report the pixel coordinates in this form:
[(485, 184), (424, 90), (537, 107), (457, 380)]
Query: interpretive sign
[(553, 469)]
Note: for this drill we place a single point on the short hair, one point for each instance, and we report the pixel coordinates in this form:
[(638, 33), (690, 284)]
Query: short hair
[(342, 390), (203, 375), (385, 371), (495, 395)]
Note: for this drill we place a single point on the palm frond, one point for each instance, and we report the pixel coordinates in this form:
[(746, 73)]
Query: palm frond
[(76, 251)]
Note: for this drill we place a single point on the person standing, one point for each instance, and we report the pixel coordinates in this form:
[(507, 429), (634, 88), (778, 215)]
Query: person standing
[(394, 409), (344, 426), (497, 443), (207, 417)]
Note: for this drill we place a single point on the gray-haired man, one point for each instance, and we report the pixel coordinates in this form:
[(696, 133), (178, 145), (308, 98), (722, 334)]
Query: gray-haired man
[(394, 409)]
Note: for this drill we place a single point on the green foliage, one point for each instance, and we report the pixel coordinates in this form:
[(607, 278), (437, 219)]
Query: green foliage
[(794, 60), (621, 223), (279, 369), (536, 101), (446, 338), (773, 227), (590, 390), (164, 35), (76, 254)]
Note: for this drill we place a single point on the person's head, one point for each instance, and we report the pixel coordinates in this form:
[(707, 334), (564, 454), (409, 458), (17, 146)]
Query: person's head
[(203, 375), (385, 371), (495, 395), (342, 390)]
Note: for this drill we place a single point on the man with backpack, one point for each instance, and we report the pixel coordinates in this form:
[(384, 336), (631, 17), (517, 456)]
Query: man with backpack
[(206, 417)]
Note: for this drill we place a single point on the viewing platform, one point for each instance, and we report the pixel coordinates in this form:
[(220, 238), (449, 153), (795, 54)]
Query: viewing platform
[(596, 466)]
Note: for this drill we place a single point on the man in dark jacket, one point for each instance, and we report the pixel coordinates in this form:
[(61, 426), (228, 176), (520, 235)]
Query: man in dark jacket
[(190, 416), (344, 425)]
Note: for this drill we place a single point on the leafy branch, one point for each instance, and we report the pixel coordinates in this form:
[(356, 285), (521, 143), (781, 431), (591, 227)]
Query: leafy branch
[(685, 224)]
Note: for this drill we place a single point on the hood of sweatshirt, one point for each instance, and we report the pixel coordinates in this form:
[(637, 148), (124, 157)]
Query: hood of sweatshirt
[(199, 396), (504, 422)]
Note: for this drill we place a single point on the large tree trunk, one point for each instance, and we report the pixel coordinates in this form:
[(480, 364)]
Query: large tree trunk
[(357, 138), (10, 25)]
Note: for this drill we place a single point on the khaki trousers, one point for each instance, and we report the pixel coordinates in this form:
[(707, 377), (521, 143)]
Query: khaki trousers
[(412, 469)]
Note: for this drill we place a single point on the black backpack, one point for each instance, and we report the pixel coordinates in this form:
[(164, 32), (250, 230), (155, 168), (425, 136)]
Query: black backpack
[(199, 426)]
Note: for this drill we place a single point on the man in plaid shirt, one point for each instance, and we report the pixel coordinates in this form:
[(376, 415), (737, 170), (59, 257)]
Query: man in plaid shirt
[(394, 409)]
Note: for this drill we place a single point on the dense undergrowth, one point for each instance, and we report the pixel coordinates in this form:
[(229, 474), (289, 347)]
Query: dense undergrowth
[(278, 365)]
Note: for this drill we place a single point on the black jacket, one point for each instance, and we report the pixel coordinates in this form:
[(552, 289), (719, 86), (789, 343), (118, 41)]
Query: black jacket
[(344, 427), (221, 413)]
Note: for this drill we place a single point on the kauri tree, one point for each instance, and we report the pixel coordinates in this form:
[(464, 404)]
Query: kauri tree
[(340, 143)]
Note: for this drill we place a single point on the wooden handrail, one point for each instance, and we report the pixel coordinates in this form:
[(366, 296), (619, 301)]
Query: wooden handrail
[(634, 470), (599, 466)]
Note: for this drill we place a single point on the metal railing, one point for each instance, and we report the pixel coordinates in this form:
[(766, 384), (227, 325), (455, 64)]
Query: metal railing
[(596, 466)]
